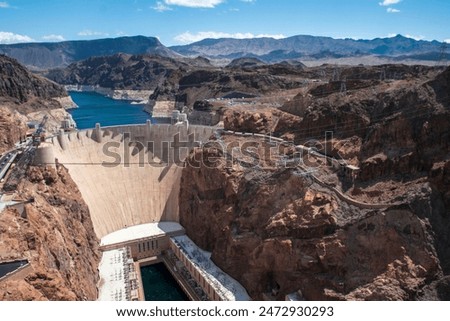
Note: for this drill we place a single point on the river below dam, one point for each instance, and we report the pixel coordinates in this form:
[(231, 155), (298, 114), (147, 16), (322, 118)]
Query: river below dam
[(95, 108)]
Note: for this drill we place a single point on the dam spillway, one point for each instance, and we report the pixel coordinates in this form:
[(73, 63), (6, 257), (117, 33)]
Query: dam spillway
[(143, 186)]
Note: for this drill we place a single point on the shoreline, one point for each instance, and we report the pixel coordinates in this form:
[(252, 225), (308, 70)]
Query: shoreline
[(66, 102), (138, 97)]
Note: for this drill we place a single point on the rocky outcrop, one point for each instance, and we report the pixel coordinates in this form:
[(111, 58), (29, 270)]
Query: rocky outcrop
[(402, 124), (55, 234), (264, 121), (440, 178), (20, 85), (66, 102), (245, 63), (13, 126), (441, 87), (118, 72), (23, 96), (188, 88), (277, 232)]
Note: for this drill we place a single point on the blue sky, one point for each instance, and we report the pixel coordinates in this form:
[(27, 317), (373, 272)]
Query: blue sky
[(185, 21)]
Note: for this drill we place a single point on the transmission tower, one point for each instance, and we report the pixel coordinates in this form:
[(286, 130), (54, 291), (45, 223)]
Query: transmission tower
[(344, 87), (383, 74), (322, 73), (442, 60), (336, 74)]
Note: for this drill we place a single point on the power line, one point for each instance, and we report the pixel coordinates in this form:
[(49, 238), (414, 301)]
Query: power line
[(373, 121), (442, 60)]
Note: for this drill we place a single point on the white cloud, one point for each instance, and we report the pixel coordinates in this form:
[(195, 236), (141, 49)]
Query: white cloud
[(248, 1), (415, 37), (161, 7), (4, 5), (447, 40), (53, 38), (194, 3), (90, 33), (121, 34), (392, 10), (9, 37), (388, 2), (188, 37)]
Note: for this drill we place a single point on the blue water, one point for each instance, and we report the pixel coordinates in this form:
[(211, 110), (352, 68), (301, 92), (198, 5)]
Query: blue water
[(95, 108), (159, 284)]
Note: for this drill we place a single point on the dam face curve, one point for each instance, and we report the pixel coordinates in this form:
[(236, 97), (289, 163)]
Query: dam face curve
[(128, 175)]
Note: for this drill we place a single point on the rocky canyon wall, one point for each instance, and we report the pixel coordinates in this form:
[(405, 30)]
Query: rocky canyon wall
[(285, 233), (55, 234)]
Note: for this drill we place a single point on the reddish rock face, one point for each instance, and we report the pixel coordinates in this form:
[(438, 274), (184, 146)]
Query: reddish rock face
[(283, 234), (55, 234), (406, 120), (13, 126), (265, 121)]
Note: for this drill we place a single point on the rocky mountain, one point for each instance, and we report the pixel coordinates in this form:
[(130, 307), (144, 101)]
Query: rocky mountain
[(60, 54), (123, 71), (245, 62), (23, 93), (240, 79), (312, 48), (44, 56), (380, 236), (20, 85)]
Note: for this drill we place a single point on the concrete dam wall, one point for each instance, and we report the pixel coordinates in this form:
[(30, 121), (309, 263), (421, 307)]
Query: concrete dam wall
[(128, 175)]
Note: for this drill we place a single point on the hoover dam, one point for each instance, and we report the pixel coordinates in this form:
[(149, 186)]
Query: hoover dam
[(129, 176), (140, 184)]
